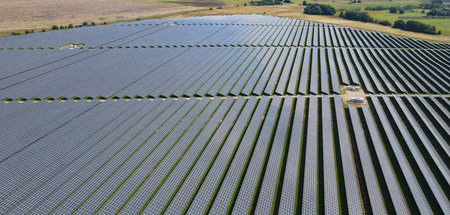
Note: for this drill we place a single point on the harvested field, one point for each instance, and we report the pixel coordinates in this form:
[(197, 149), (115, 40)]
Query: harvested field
[(35, 14)]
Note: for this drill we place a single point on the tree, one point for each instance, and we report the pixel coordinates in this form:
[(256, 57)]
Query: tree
[(319, 9), (358, 16), (401, 11), (416, 26), (305, 3), (400, 24), (393, 10), (385, 23), (437, 2)]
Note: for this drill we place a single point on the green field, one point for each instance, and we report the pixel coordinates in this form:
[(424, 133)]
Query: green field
[(340, 4), (442, 25)]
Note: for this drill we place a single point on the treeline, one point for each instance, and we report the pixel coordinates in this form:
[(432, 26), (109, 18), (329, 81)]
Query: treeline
[(439, 12), (395, 10), (415, 26), (357, 16), (268, 2), (61, 27), (319, 9)]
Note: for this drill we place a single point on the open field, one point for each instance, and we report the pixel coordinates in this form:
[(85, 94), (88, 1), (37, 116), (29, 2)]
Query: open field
[(416, 14), (17, 15), (442, 25), (344, 4), (241, 114)]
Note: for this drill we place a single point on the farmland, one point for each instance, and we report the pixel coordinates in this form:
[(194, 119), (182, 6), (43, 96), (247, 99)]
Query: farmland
[(223, 115), (443, 24), (20, 15)]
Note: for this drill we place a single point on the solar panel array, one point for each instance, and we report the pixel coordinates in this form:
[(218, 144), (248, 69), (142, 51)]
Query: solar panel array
[(223, 115)]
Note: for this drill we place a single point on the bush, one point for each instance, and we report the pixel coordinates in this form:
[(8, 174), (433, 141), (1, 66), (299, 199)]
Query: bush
[(385, 23), (439, 12), (401, 11), (393, 10), (376, 8), (70, 26), (358, 16), (415, 26), (85, 23), (431, 6), (410, 7), (266, 2), (400, 24), (305, 3), (54, 27), (319, 9)]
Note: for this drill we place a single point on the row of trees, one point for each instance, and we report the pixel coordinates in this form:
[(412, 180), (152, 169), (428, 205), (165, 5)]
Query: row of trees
[(415, 26), (357, 16), (439, 12), (62, 27), (395, 10), (411, 25), (319, 9), (267, 2)]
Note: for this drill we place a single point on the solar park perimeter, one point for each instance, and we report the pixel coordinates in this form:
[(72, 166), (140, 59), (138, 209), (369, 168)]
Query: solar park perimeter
[(223, 115)]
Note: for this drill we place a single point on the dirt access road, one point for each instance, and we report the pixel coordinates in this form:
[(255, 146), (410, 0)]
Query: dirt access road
[(36, 14)]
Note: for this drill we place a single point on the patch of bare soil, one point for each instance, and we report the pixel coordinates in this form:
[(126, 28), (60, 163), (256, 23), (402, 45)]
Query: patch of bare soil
[(33, 14), (346, 95)]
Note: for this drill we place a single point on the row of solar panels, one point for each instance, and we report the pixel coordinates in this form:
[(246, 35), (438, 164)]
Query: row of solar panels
[(236, 155), (182, 72), (189, 35)]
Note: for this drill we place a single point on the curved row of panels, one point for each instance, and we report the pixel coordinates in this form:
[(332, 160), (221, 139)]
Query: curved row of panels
[(221, 71), (278, 32), (234, 155)]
